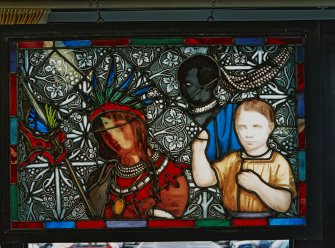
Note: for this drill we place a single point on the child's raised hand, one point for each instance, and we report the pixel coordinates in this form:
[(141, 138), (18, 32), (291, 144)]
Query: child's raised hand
[(249, 180), (201, 141)]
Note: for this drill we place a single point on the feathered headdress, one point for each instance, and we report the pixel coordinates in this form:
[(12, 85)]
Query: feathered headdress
[(110, 95)]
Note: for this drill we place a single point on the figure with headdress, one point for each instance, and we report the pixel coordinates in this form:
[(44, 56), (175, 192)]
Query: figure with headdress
[(135, 181)]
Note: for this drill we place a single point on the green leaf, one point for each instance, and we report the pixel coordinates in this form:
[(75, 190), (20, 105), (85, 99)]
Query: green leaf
[(137, 106), (100, 97), (116, 96), (127, 99), (109, 92), (51, 113)]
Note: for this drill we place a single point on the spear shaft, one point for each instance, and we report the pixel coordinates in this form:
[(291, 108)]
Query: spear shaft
[(74, 178)]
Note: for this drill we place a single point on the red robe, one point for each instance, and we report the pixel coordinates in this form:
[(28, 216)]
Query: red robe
[(139, 201)]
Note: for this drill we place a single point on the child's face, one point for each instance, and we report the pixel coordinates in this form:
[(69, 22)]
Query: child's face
[(253, 130)]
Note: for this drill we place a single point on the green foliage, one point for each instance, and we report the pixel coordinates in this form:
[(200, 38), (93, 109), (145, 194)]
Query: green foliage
[(100, 97), (50, 113)]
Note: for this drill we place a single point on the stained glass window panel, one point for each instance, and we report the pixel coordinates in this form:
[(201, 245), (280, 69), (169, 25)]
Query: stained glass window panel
[(111, 133)]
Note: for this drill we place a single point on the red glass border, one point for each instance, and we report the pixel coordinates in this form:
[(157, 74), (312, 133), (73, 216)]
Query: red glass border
[(31, 44), (90, 224), (300, 77), (13, 95), (111, 42), (284, 40), (250, 222), (27, 225), (208, 41), (302, 198), (170, 223)]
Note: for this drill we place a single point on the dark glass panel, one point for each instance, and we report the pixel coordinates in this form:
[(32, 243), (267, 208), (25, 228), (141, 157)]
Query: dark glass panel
[(13, 130), (301, 105), (13, 57), (302, 165), (249, 41), (13, 202), (300, 54), (153, 41)]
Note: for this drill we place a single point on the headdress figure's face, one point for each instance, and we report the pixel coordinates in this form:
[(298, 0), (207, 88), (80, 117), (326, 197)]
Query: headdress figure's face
[(118, 134)]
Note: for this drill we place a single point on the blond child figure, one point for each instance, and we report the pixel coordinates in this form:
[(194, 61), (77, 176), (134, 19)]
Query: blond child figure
[(255, 181)]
